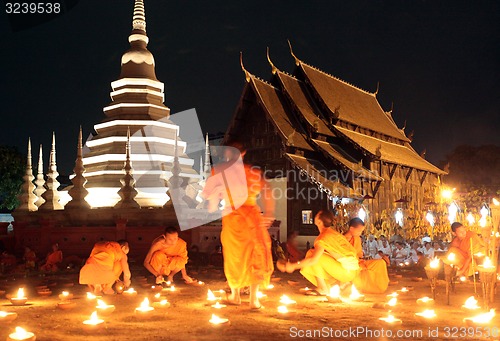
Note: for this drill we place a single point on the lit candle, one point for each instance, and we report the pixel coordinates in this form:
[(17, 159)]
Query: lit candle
[(394, 294), (144, 309), (305, 290), (94, 321), (404, 290), (217, 305), (282, 309), (434, 263), (20, 299), (426, 314), (157, 297), (172, 288), (6, 316), (425, 301), (270, 286), (451, 257), (392, 302), (200, 283), (487, 263), (21, 335), (286, 300), (463, 279), (66, 305), (390, 319), (65, 296), (130, 292), (161, 304), (217, 321), (355, 295), (103, 308), (470, 304), (211, 296), (260, 295), (481, 319), (91, 296), (334, 294)]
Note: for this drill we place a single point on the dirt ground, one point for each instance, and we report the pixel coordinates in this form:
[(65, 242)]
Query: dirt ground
[(188, 316)]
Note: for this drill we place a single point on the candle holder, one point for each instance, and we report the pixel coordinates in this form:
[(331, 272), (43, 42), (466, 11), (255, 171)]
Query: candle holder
[(450, 272), (6, 316), (21, 335), (65, 296), (432, 274), (487, 275), (94, 322), (66, 305)]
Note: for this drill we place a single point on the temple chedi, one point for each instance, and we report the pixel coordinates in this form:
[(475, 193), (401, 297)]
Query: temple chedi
[(122, 174)]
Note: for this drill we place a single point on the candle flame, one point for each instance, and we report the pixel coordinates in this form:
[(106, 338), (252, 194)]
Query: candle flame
[(270, 286), (65, 293), (496, 202), (172, 288), (335, 291), (130, 291), (163, 302), (484, 318), (20, 293), (145, 303), (260, 294), (392, 302), (394, 294), (427, 314), (217, 305), (217, 320), (354, 293), (3, 313), (91, 296), (101, 304), (434, 263), (451, 257), (21, 333), (282, 309), (286, 300), (487, 263), (471, 303), (94, 320), (404, 289), (93, 317), (157, 295), (211, 296), (389, 319), (425, 299)]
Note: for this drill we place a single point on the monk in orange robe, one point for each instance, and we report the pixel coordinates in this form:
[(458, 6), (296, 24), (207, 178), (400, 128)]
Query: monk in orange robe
[(373, 277), (461, 246), (29, 257), (332, 260), (246, 244), (53, 259), (167, 256), (103, 268)]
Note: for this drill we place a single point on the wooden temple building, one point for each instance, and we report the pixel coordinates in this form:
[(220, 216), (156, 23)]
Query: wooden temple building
[(322, 140)]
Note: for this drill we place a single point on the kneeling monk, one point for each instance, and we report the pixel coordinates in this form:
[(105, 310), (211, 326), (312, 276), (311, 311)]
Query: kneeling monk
[(106, 263), (373, 277), (167, 256), (332, 260)]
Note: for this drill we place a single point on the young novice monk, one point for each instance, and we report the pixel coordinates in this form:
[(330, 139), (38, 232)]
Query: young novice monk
[(103, 268), (332, 260)]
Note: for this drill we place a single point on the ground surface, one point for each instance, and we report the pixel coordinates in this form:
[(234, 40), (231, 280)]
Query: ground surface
[(188, 316)]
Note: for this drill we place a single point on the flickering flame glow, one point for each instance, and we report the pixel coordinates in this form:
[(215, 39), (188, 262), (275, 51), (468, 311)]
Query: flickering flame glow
[(172, 288), (392, 302), (200, 283), (425, 299), (447, 194), (282, 309), (495, 202), (217, 305), (463, 279), (335, 291), (471, 303), (404, 289), (427, 314), (362, 214), (260, 294), (144, 306), (3, 313), (91, 296), (93, 319), (394, 294), (157, 296), (355, 295), (484, 216), (101, 304), (451, 257), (211, 296), (65, 293), (452, 212), (217, 320), (390, 319), (484, 318), (286, 300), (130, 291), (20, 293), (163, 302), (487, 263), (21, 334), (270, 286)]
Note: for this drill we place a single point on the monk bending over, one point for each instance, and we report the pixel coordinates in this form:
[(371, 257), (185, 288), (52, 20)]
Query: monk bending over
[(54, 258), (103, 268), (332, 260), (461, 246), (373, 277), (167, 256)]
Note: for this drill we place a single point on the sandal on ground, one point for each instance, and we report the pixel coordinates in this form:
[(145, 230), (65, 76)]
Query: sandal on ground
[(226, 300), (313, 292)]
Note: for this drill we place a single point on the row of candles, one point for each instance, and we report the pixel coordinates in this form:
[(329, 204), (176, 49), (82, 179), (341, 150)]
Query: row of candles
[(334, 296)]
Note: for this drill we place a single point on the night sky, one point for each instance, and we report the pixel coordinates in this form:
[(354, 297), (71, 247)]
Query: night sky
[(438, 61)]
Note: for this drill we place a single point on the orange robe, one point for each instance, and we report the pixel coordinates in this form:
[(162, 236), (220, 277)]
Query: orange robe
[(104, 264), (246, 244), (373, 277), (328, 268), (462, 250), (170, 258), (53, 259)]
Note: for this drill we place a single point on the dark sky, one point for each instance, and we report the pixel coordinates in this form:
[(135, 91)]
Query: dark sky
[(438, 61)]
